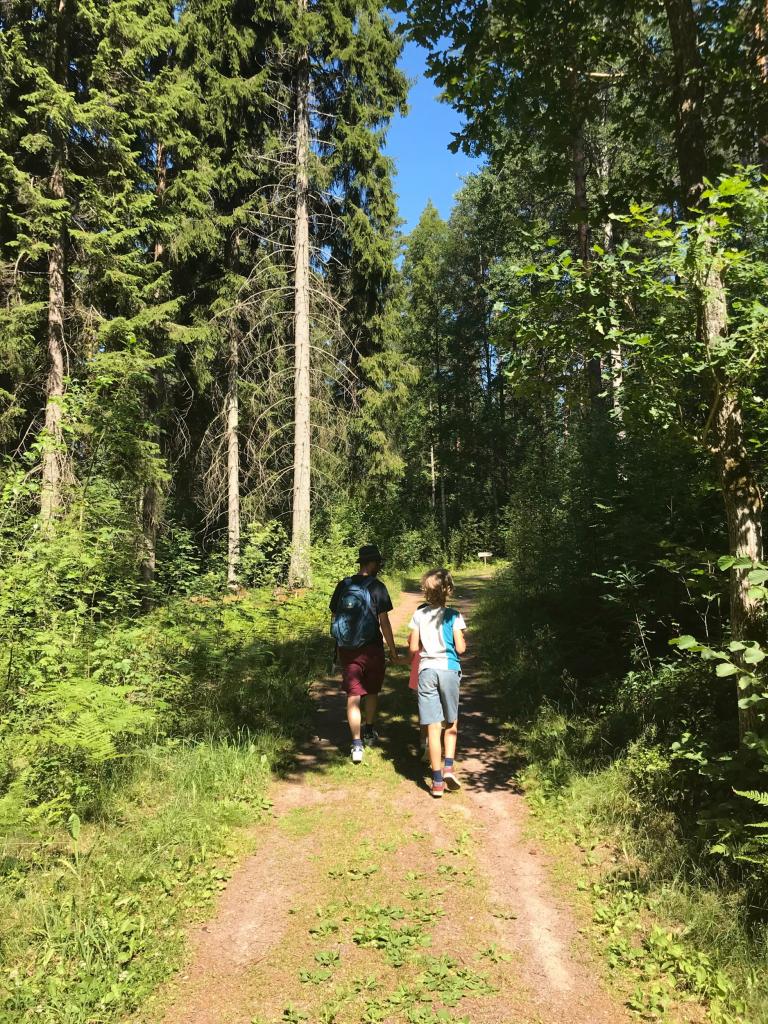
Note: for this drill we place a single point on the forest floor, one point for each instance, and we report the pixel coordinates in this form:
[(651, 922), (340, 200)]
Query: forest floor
[(366, 900)]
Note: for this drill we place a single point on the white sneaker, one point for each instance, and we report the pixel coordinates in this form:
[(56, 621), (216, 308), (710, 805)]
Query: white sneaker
[(357, 753)]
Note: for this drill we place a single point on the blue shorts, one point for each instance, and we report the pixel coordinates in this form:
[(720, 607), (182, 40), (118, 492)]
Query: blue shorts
[(438, 694)]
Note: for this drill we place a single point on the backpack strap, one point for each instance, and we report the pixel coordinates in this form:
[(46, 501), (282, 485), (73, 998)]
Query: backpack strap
[(367, 591)]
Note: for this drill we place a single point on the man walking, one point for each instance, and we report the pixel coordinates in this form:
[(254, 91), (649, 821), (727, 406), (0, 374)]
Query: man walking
[(360, 623)]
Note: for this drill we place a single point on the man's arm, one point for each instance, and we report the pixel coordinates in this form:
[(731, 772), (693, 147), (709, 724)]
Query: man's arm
[(386, 629)]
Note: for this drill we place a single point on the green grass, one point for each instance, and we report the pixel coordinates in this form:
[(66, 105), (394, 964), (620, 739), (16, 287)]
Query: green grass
[(90, 925)]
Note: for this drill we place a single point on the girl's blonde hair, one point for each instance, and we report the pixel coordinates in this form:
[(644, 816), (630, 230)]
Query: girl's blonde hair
[(437, 585)]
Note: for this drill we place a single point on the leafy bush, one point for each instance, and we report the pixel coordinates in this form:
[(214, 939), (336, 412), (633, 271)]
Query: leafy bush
[(417, 546), (470, 537), (265, 554), (179, 560)]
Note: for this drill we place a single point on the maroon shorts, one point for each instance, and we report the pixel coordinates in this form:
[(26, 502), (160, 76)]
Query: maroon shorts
[(362, 670)]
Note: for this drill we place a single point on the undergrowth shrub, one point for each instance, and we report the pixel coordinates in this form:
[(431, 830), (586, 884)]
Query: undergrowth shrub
[(639, 760), (88, 680), (195, 667), (265, 555)]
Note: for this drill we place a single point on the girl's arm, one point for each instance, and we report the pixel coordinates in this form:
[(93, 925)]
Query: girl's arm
[(458, 640), (413, 642)]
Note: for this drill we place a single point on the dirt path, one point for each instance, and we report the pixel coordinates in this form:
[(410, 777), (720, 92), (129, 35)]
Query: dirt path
[(367, 901)]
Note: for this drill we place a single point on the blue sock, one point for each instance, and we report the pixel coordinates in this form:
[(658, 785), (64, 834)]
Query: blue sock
[(448, 763), (357, 743), (437, 776)]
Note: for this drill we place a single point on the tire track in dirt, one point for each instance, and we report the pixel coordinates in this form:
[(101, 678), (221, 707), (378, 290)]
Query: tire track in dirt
[(564, 983)]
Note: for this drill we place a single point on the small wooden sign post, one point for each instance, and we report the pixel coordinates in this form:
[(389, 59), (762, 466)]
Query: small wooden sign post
[(485, 555)]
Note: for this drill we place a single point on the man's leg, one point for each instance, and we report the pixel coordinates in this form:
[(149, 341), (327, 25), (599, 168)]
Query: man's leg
[(375, 668), (371, 704), (353, 716)]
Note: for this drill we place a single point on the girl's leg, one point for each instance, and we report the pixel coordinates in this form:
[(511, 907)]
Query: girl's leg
[(423, 744), (451, 735), (435, 753)]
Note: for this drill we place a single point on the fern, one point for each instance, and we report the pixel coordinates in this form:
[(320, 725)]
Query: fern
[(754, 795), (755, 849)]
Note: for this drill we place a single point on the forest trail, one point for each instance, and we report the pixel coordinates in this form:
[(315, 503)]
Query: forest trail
[(360, 869)]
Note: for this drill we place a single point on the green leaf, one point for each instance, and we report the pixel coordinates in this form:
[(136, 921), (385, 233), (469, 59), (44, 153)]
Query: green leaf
[(726, 668), (754, 795), (754, 656), (753, 698), (685, 643)]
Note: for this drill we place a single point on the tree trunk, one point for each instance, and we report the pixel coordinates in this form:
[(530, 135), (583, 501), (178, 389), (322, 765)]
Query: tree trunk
[(690, 139), (54, 452), (744, 511), (440, 438), (299, 571), (151, 497), (150, 504), (579, 167), (161, 184), (432, 476), (579, 157), (741, 494), (55, 467), (617, 385), (232, 411), (761, 37), (615, 356), (443, 511)]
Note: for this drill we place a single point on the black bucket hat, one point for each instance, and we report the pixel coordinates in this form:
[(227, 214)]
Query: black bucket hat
[(369, 553)]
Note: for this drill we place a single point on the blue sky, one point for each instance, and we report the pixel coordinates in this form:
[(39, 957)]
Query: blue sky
[(419, 145)]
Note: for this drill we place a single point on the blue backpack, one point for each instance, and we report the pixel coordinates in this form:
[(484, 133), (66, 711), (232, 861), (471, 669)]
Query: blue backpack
[(355, 623)]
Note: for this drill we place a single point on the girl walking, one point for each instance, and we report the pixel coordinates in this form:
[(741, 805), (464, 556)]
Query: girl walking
[(437, 634)]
